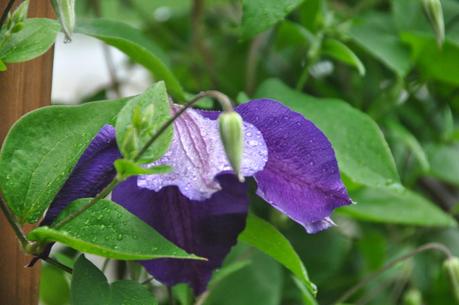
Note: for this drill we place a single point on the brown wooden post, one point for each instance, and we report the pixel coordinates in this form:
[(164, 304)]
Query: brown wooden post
[(23, 87)]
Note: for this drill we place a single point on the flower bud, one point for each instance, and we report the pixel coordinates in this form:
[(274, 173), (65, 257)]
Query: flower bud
[(17, 27), (65, 11), (434, 12), (452, 267), (231, 134), (15, 21), (130, 145), (20, 14)]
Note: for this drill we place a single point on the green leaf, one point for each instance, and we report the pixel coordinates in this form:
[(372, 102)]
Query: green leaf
[(141, 118), (135, 45), (259, 15), (126, 169), (37, 36), (109, 230), (399, 134), (445, 67), (444, 161), (396, 205), (259, 283), (41, 150), (339, 51), (266, 238), (54, 287), (130, 293), (90, 287), (377, 35), (89, 284), (362, 152)]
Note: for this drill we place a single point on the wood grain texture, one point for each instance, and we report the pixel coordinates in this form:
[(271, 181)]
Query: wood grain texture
[(23, 87)]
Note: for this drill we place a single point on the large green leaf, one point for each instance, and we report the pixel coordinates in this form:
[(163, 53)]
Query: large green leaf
[(266, 238), (140, 119), (42, 148), (377, 35), (135, 45), (259, 15), (90, 287), (399, 206), (362, 152), (109, 230), (37, 36)]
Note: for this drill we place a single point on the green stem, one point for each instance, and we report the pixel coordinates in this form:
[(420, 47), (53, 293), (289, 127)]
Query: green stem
[(220, 97), (57, 264), (303, 78), (430, 246), (104, 193), (13, 223)]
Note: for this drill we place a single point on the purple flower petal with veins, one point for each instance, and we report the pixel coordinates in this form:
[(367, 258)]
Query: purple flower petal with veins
[(203, 211), (301, 178), (197, 157)]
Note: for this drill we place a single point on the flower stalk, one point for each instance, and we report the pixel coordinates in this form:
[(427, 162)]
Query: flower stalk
[(14, 223)]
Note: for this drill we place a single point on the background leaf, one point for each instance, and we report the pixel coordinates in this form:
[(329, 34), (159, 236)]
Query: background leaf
[(259, 15), (136, 46), (89, 284), (249, 284), (54, 286), (399, 206), (109, 230), (37, 36), (130, 293), (90, 287), (444, 161), (41, 150), (339, 51), (375, 34)]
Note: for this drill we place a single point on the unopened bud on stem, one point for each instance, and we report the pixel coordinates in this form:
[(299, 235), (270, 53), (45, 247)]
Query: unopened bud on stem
[(65, 11), (231, 134), (452, 267), (434, 12)]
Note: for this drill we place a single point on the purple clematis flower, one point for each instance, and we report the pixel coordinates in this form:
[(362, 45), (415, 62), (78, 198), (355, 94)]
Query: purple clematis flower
[(200, 205)]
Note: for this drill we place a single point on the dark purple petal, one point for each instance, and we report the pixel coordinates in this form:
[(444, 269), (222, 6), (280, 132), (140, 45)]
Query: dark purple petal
[(196, 156), (206, 228), (91, 174), (301, 178)]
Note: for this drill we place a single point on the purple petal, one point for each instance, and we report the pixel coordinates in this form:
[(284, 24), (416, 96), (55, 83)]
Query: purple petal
[(197, 157), (301, 178), (91, 174), (207, 228)]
